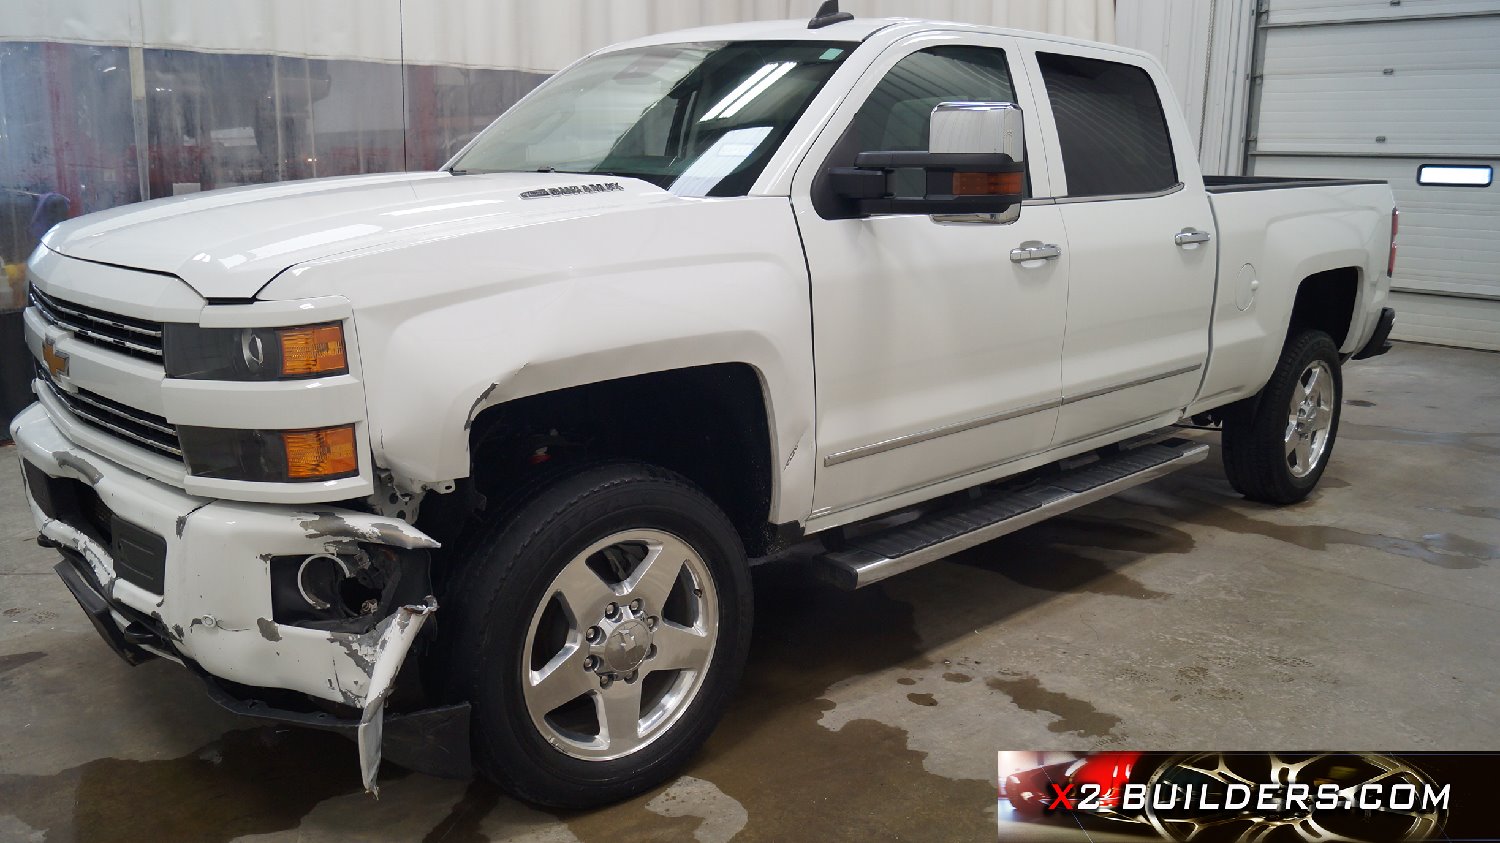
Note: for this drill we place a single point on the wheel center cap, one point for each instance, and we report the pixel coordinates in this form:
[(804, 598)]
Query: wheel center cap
[(626, 646)]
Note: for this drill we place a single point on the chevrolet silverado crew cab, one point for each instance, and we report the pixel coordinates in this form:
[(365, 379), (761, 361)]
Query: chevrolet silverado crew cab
[(472, 465)]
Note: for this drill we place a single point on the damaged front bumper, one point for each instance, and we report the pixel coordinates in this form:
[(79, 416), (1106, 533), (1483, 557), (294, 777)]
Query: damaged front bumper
[(224, 588)]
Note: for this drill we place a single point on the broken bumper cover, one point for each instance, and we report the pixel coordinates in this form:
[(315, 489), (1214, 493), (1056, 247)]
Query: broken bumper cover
[(214, 608)]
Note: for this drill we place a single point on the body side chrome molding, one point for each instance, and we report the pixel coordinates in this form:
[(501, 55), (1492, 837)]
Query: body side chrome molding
[(834, 510), (1105, 390), (1095, 435), (937, 432), (928, 435)]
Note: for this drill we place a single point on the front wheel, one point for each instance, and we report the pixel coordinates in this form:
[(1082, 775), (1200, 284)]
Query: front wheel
[(1276, 448), (600, 631)]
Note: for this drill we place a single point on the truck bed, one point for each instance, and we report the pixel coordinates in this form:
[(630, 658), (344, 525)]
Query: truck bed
[(1271, 237), (1241, 184)]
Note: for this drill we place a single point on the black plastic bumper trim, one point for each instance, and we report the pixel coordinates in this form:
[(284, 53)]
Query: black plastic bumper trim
[(433, 740), (96, 606)]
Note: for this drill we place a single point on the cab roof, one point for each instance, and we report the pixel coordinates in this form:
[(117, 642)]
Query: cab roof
[(851, 31)]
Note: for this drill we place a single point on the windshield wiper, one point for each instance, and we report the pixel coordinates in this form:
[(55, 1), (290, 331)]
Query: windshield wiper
[(547, 170), (584, 172)]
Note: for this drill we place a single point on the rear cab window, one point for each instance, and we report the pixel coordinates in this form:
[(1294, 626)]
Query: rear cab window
[(1112, 131)]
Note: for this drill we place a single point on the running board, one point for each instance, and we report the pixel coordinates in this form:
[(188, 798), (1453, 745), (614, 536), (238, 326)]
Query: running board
[(871, 558)]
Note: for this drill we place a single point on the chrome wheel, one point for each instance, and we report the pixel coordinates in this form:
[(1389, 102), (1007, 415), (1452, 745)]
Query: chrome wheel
[(1309, 822), (1309, 422), (620, 644)]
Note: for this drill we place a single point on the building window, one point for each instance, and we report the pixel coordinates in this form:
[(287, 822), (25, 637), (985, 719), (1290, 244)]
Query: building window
[(1456, 175)]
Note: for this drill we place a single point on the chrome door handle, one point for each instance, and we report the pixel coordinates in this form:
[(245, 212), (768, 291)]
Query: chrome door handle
[(1189, 236), (1035, 251)]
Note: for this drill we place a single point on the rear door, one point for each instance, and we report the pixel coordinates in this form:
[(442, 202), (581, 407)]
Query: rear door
[(1140, 241), (936, 353)]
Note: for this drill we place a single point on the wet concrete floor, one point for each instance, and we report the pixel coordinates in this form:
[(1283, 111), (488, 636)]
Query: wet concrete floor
[(1175, 616)]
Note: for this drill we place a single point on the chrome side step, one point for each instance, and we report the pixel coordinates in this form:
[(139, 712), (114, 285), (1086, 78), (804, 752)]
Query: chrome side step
[(871, 558)]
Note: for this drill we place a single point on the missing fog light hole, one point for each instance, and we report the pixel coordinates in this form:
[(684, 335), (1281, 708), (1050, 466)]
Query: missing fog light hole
[(321, 574), (331, 584), (346, 590)]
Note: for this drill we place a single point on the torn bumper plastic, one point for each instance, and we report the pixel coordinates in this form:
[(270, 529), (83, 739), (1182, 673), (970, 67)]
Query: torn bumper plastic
[(394, 636), (161, 573)]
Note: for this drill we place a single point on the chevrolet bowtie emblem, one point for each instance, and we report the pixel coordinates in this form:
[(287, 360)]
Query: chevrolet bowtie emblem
[(57, 362)]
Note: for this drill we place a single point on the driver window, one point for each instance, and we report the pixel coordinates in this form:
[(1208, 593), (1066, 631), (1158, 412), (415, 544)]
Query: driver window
[(899, 110), (898, 113)]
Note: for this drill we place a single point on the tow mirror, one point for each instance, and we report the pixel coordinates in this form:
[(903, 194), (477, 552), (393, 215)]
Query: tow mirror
[(974, 166)]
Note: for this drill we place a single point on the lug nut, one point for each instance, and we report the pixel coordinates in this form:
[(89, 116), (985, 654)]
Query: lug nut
[(635, 605), (651, 623), (606, 680), (593, 634), (651, 653), (630, 677), (611, 611), (591, 662)]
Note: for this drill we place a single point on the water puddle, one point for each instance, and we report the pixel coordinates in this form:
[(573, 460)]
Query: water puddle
[(15, 660), (1439, 549), (1073, 715), (248, 781)]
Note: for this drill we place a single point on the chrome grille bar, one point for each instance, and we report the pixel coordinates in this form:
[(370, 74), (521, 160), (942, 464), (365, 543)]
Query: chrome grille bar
[(137, 337), (98, 403), (150, 431)]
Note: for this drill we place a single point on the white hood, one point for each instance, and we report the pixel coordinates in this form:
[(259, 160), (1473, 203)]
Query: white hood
[(228, 244)]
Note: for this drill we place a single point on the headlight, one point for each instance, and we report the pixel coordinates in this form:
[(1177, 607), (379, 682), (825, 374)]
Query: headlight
[(254, 354), (270, 456)]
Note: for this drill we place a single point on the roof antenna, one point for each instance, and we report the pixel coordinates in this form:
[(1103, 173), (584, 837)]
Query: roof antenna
[(828, 14)]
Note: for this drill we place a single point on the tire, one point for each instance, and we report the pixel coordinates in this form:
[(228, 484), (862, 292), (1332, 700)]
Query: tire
[(1262, 437), (542, 611)]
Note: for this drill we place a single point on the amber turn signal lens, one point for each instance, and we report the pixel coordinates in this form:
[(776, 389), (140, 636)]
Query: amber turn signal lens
[(324, 452), (313, 350), (986, 184)]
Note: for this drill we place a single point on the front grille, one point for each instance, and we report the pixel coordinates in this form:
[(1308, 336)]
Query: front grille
[(126, 334), (149, 431)]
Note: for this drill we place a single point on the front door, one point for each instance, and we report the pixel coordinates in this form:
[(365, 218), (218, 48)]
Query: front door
[(936, 353)]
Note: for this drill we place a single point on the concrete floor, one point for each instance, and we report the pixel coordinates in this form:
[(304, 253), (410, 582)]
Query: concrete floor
[(1176, 616)]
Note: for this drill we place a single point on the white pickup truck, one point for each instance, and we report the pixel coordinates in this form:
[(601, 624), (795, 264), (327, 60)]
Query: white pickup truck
[(699, 298)]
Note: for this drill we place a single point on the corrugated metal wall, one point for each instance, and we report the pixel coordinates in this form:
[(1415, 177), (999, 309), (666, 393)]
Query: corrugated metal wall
[(532, 35), (1205, 47), (1375, 89)]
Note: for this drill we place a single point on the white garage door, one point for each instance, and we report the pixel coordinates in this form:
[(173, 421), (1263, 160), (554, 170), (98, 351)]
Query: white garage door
[(1410, 93)]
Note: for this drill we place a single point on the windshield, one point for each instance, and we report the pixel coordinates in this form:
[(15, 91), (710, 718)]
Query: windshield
[(696, 119)]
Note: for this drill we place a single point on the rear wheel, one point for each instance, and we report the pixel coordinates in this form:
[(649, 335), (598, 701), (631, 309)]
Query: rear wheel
[(1276, 448), (599, 633)]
